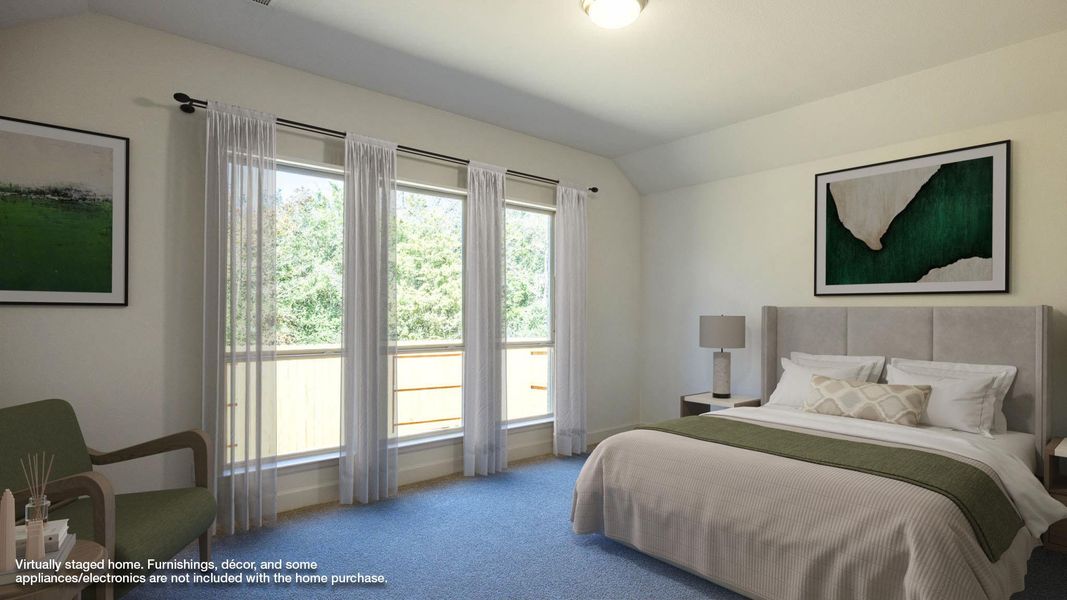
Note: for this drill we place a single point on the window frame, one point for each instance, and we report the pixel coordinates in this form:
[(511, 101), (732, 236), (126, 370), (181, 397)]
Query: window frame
[(310, 351), (446, 346), (549, 342), (327, 172), (335, 350), (440, 192)]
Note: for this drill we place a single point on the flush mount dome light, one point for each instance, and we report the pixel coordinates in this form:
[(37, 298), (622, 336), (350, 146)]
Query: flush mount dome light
[(613, 14)]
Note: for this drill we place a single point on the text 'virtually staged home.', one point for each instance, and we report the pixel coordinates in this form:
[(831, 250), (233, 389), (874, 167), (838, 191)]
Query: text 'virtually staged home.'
[(533, 299)]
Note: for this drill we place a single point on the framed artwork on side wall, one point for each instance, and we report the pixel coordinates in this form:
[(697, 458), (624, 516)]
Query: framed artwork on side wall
[(63, 215), (936, 223)]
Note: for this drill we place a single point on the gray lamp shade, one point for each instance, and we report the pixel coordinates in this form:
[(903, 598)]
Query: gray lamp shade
[(722, 331)]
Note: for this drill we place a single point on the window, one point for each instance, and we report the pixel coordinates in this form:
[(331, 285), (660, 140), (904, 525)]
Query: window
[(428, 374), (429, 371), (429, 312), (528, 308), (310, 224), (528, 248)]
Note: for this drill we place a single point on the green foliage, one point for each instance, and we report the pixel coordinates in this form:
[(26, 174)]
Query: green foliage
[(309, 263), (428, 268), (528, 235)]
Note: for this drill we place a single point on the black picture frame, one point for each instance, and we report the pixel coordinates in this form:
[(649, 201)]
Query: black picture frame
[(1001, 192), (120, 257)]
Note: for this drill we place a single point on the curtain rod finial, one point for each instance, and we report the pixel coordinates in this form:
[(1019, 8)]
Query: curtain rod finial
[(594, 189), (186, 102)]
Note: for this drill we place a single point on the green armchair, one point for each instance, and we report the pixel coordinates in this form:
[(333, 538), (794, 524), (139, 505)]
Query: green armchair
[(132, 527)]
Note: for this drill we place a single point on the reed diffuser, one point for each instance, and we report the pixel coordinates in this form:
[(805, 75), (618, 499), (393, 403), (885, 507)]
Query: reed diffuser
[(37, 474), (37, 469)]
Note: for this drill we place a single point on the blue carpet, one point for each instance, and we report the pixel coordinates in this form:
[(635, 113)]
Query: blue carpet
[(506, 536)]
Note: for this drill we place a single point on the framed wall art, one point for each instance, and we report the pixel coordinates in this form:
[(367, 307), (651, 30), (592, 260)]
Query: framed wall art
[(63, 215), (936, 223)]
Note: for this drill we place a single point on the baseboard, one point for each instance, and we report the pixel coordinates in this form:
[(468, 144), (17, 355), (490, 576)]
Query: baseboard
[(595, 437), (419, 472), (301, 496)]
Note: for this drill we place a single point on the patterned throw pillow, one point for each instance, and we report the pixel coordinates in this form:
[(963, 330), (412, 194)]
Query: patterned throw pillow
[(899, 404)]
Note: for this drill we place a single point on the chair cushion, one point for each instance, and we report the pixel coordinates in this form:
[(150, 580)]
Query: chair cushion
[(48, 426), (148, 524)]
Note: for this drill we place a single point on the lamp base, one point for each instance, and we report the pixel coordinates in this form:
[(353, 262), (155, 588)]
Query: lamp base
[(721, 383)]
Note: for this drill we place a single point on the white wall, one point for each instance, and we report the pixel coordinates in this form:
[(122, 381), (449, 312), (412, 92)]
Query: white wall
[(746, 238), (1001, 85), (134, 373)]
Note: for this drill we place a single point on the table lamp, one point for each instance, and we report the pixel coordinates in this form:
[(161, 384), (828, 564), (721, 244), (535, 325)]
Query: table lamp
[(722, 332)]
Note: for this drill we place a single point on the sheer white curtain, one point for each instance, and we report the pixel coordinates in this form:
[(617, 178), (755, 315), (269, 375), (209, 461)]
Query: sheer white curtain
[(368, 438), (569, 371), (485, 442), (239, 313)]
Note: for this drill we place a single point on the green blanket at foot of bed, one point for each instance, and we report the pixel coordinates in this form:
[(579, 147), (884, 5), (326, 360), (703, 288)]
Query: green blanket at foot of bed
[(991, 515)]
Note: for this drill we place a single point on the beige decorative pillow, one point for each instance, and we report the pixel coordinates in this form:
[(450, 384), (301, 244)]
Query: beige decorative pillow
[(899, 404)]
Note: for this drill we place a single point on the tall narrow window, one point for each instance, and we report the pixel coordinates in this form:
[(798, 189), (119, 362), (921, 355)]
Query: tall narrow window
[(528, 309), (309, 254), (429, 316)]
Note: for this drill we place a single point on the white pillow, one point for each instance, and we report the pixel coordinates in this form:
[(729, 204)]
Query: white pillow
[(795, 385), (1003, 376), (960, 404), (872, 364)]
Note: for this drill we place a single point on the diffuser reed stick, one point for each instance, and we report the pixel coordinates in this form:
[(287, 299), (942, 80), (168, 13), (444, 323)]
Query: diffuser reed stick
[(37, 469)]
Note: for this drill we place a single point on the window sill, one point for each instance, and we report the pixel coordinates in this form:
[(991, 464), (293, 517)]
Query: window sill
[(311, 461), (296, 464), (531, 422)]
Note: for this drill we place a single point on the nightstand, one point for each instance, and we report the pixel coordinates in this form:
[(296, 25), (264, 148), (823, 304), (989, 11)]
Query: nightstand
[(696, 404), (1056, 484)]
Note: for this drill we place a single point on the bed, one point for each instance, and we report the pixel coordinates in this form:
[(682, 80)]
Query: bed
[(771, 526)]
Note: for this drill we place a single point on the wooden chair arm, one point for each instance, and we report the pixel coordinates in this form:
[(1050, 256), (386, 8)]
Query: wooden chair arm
[(100, 493), (194, 439)]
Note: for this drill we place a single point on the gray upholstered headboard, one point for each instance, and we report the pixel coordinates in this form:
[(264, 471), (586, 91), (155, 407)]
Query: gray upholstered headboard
[(1001, 335)]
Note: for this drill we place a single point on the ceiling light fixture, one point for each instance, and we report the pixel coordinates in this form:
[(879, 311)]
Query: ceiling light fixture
[(613, 14)]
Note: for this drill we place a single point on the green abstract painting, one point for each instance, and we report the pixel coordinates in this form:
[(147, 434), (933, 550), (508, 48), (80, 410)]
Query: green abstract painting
[(938, 226), (62, 220)]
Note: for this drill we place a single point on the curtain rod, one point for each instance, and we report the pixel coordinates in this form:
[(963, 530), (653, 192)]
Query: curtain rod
[(190, 104)]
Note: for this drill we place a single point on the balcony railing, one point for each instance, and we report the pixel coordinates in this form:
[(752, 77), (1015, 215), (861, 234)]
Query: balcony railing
[(428, 392)]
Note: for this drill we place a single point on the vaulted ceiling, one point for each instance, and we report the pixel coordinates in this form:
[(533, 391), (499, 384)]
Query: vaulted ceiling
[(541, 67)]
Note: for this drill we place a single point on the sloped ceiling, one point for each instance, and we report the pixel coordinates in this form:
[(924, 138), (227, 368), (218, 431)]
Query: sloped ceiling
[(541, 67)]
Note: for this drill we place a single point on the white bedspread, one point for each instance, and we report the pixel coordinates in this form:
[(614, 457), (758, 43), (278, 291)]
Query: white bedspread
[(1035, 506), (774, 527)]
